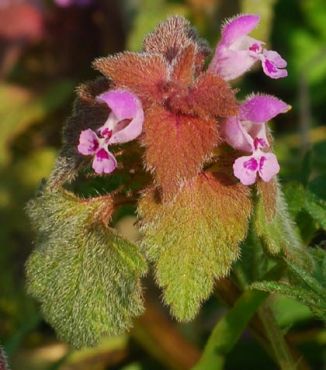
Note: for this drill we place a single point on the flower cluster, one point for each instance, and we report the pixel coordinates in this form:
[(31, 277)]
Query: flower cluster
[(183, 110)]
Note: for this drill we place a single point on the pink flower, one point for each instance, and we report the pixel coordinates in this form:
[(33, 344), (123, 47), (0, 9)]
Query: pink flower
[(246, 168), (237, 52), (124, 123), (91, 144), (247, 132)]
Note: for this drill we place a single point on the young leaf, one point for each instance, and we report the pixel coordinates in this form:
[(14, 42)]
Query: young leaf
[(194, 238), (86, 277)]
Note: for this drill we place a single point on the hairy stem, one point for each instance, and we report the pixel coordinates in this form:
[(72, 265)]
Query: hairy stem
[(228, 330), (281, 350)]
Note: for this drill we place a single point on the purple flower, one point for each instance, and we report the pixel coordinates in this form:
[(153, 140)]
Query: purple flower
[(247, 132), (124, 123), (237, 52), (66, 3), (91, 144)]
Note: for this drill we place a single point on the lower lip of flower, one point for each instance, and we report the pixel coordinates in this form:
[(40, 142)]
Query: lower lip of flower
[(261, 162), (270, 66), (102, 154), (251, 164)]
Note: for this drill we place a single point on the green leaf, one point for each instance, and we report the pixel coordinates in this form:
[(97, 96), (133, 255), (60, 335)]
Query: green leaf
[(301, 294), (316, 207), (273, 223), (194, 239), (86, 277), (228, 331), (295, 195), (303, 285), (288, 311), (308, 279)]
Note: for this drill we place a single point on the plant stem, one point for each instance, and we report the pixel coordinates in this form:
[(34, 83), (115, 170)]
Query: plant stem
[(228, 330), (228, 292), (281, 350)]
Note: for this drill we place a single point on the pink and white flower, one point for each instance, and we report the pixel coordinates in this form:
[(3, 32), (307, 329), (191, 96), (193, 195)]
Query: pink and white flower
[(247, 132), (265, 165), (237, 52), (124, 123)]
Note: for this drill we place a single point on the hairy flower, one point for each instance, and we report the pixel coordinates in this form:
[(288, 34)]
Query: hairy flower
[(124, 123), (247, 132), (237, 52)]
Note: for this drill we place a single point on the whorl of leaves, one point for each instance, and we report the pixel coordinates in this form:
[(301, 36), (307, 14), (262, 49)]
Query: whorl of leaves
[(194, 239), (86, 277)]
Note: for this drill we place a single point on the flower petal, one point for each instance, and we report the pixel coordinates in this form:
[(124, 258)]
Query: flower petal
[(230, 64), (245, 169), (268, 166), (262, 108), (274, 65), (104, 162), (124, 106), (238, 26), (233, 55), (236, 135), (88, 142)]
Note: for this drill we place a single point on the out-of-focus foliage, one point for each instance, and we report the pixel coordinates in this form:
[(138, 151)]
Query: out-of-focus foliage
[(37, 79)]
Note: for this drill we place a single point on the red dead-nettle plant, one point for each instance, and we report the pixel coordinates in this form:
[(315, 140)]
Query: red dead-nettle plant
[(165, 134)]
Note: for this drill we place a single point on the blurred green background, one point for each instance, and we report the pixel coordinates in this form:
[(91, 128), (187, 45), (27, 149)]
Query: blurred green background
[(45, 51)]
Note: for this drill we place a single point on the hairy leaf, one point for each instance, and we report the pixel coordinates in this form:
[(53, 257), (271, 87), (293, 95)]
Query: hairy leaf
[(177, 146), (85, 275), (194, 239), (316, 207), (142, 73), (209, 97), (307, 287), (171, 36)]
